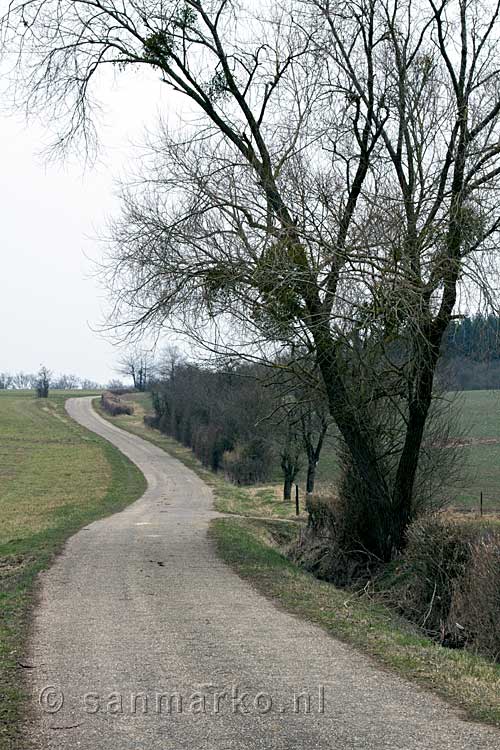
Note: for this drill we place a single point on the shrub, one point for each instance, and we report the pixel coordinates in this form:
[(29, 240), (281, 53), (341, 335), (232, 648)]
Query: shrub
[(448, 583), (327, 547), (114, 405), (249, 463), (475, 607), (437, 557)]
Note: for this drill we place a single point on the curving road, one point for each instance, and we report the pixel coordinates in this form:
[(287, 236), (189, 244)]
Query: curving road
[(156, 645)]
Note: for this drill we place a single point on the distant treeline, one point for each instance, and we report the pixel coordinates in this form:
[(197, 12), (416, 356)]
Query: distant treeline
[(476, 338), (471, 354), (28, 380)]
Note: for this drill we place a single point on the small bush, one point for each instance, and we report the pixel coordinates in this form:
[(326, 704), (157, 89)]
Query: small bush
[(114, 405), (249, 463), (205, 440), (448, 583)]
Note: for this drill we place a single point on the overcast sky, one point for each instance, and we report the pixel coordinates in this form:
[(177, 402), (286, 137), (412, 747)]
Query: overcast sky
[(52, 215)]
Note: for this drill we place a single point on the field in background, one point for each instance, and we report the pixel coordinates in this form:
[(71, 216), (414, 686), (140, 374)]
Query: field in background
[(55, 477), (478, 426), (478, 415)]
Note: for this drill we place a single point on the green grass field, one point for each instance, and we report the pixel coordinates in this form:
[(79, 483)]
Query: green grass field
[(55, 477), (478, 417), (479, 413)]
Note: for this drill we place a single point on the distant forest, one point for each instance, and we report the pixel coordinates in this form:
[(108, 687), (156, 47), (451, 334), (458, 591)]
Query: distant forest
[(471, 354)]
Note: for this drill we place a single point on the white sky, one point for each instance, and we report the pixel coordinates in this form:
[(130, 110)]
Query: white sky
[(51, 217)]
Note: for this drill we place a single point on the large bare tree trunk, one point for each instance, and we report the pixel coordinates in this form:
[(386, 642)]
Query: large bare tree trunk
[(360, 444)]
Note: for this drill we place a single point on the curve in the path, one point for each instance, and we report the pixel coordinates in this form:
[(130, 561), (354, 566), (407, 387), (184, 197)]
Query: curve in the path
[(157, 645)]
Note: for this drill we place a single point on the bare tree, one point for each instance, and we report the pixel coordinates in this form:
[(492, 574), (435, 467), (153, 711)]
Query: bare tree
[(168, 361), (43, 382), (5, 380), (66, 382), (314, 421), (300, 410), (87, 384), (23, 380), (338, 191), (139, 366), (116, 385), (290, 452)]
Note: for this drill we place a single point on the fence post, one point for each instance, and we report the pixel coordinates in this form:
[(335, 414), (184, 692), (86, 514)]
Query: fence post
[(297, 509), (481, 504)]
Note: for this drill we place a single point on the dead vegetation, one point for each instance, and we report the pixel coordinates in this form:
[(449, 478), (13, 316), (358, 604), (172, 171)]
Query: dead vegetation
[(447, 580), (114, 405)]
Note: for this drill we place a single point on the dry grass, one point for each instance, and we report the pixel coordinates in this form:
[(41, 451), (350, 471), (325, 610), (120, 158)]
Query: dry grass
[(44, 467)]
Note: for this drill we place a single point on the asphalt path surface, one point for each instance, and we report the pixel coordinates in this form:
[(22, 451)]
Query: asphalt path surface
[(143, 639)]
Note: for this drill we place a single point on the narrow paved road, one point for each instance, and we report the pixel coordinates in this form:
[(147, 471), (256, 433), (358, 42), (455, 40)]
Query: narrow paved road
[(143, 629)]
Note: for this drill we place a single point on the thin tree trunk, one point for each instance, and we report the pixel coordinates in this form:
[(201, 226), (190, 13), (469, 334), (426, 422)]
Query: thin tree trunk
[(417, 417), (287, 486)]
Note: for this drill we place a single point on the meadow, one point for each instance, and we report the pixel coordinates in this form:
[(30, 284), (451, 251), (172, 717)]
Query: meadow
[(478, 417)]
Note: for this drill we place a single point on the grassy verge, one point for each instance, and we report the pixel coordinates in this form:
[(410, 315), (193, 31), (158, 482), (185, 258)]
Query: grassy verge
[(465, 680), (55, 478)]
